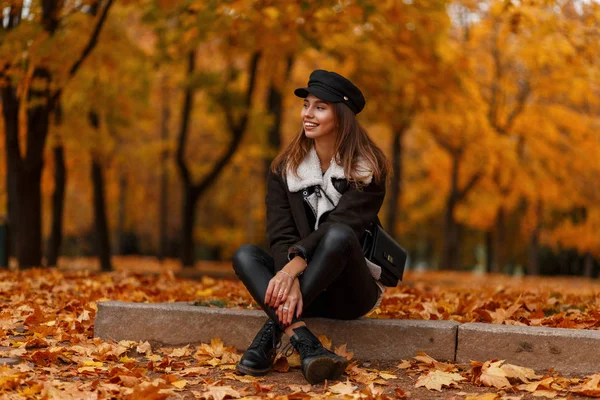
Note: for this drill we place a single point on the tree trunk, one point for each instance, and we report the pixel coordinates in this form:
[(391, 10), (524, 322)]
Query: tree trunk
[(58, 205), (192, 192), (533, 267), (190, 199), (452, 230), (489, 251), (164, 176), (396, 182), (499, 242), (275, 102), (588, 265), (452, 238), (100, 220), (10, 112), (29, 217), (29, 178), (120, 248)]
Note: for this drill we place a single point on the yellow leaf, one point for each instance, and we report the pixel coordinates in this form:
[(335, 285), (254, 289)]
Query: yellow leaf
[(181, 352), (521, 373), (126, 359), (485, 396), (342, 388), (385, 375), (341, 351), (493, 375), (325, 341), (549, 394), (144, 348), (533, 386), (204, 293), (91, 363), (436, 379), (179, 384), (220, 392), (404, 364)]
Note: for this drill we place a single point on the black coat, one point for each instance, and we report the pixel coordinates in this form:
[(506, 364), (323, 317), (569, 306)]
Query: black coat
[(288, 225)]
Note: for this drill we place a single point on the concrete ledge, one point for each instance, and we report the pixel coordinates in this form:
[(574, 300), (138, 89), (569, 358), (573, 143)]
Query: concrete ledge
[(178, 324), (568, 351)]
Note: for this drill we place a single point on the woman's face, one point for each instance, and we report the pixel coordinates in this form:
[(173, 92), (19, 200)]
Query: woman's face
[(318, 118)]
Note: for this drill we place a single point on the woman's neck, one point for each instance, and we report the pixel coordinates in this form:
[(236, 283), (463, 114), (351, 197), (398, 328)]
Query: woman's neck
[(324, 150)]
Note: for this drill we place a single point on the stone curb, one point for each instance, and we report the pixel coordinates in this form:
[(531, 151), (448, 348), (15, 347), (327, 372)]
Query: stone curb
[(177, 324), (568, 351)]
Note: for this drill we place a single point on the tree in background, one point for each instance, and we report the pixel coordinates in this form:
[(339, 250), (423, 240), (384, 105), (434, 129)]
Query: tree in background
[(36, 85)]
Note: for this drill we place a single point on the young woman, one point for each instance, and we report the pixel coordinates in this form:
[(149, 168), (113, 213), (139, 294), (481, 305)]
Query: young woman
[(323, 191)]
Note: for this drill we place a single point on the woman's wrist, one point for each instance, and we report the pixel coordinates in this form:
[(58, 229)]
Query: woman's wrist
[(295, 267)]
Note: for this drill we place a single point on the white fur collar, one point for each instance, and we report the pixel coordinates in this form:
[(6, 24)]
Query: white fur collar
[(309, 174)]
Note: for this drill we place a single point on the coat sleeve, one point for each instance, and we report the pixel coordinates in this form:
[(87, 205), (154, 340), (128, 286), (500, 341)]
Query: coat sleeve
[(281, 227), (357, 208)]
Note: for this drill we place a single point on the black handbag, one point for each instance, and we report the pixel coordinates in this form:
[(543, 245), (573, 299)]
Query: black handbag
[(381, 249)]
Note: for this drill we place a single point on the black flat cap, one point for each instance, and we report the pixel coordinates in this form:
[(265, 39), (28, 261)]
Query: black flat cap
[(333, 88)]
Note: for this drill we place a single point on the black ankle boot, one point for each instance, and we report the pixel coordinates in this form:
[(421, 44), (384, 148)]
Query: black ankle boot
[(318, 363), (258, 358)]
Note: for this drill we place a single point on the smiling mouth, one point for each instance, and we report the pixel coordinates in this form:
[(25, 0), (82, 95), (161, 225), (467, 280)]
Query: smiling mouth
[(310, 125)]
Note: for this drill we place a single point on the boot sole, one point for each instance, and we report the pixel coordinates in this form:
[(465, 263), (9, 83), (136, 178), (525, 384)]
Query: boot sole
[(252, 371), (323, 368)]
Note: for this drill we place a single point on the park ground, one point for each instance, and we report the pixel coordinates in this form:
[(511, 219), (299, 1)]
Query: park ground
[(47, 320)]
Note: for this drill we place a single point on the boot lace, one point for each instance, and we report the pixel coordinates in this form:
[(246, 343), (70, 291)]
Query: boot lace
[(266, 333), (305, 346)]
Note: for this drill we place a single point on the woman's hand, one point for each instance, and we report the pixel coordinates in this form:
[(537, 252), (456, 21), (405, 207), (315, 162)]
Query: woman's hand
[(293, 304), (280, 285), (278, 289)]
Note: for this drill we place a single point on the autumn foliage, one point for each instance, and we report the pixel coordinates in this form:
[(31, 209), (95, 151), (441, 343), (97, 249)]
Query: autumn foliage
[(156, 140), (46, 332)]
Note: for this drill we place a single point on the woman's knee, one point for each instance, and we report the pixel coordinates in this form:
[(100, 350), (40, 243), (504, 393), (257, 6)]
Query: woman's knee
[(339, 234), (245, 259)]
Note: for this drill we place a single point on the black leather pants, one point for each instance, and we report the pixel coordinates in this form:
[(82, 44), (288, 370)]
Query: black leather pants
[(336, 283)]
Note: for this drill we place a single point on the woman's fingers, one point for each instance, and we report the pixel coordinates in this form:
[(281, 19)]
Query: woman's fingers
[(299, 308), (279, 313), (284, 291), (291, 310), (269, 293)]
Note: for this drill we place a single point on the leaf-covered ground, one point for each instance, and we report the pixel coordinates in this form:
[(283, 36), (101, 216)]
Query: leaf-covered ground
[(47, 317)]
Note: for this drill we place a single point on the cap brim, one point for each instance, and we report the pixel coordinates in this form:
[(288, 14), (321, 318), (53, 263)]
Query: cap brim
[(318, 92)]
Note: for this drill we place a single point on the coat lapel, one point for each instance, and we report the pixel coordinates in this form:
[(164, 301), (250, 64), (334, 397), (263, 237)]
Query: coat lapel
[(309, 174)]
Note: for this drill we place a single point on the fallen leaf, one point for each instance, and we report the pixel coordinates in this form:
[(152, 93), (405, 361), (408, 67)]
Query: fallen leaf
[(281, 365), (493, 375), (342, 388), (220, 392), (386, 376), (180, 384), (485, 396), (589, 388), (549, 394), (144, 348), (533, 386), (181, 352), (342, 351), (300, 388), (521, 373), (325, 341), (437, 379)]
